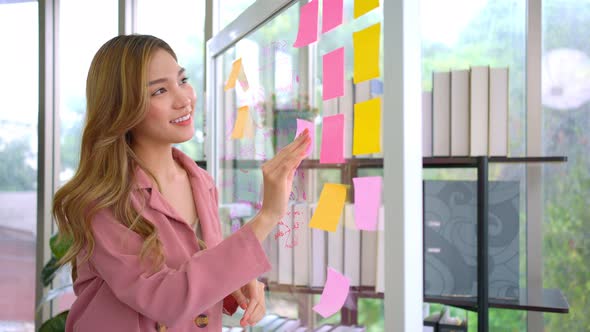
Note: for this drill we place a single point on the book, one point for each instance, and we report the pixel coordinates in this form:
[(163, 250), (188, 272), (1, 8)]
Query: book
[(346, 107), (302, 248), (380, 275), (273, 256), (441, 113), (336, 247), (290, 325), (352, 247), (265, 321), (460, 113), (368, 258), (427, 123), (498, 126), (285, 247), (274, 325), (478, 111), (376, 90), (318, 255), (330, 107)]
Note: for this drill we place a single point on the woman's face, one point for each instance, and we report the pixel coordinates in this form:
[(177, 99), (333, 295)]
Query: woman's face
[(169, 119)]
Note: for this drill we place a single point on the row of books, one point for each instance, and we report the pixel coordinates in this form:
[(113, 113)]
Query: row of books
[(300, 255), (275, 323), (466, 114)]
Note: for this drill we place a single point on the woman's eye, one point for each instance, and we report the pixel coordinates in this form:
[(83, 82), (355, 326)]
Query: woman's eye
[(184, 80), (158, 92)]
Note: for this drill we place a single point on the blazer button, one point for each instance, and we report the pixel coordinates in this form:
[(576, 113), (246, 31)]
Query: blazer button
[(161, 327), (202, 320)]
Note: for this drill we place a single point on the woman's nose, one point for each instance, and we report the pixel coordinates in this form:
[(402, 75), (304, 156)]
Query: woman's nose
[(182, 100)]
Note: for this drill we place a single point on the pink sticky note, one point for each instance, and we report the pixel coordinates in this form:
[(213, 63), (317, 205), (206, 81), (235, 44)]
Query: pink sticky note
[(301, 125), (331, 14), (367, 200), (334, 294), (333, 73), (308, 24), (332, 151)]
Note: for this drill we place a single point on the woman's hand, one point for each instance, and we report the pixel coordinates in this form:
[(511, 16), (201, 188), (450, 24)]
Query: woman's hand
[(251, 298), (278, 176)]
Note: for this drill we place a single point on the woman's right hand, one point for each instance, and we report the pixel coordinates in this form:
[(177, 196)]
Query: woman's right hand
[(278, 174)]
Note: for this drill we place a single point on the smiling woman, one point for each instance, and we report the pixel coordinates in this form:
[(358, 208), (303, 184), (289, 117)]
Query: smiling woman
[(135, 204)]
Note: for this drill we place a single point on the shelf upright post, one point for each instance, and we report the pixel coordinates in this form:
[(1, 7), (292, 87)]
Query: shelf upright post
[(482, 244)]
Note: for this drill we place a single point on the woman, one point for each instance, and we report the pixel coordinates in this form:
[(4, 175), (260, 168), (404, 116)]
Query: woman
[(133, 205)]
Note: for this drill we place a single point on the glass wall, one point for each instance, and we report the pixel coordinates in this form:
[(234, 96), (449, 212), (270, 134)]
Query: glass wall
[(19, 98), (230, 9), (181, 24), (458, 35), (284, 85), (566, 131), (80, 37)]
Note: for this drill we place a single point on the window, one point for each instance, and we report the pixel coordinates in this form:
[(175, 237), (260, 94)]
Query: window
[(566, 131), (19, 99), (80, 37), (462, 33), (230, 9), (181, 24)]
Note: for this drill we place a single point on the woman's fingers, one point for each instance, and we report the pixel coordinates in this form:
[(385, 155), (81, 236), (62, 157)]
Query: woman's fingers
[(240, 298), (302, 140), (260, 309)]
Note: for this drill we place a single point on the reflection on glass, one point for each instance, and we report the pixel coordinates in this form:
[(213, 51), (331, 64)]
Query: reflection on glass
[(490, 33), (285, 84), (181, 24), (566, 131), (18, 163)]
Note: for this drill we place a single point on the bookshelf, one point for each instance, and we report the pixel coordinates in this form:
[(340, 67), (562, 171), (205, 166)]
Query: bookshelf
[(545, 300)]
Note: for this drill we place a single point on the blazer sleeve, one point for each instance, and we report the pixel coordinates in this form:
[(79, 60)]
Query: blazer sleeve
[(172, 295)]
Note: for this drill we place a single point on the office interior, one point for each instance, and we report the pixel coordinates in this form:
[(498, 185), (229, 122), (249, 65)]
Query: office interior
[(537, 275)]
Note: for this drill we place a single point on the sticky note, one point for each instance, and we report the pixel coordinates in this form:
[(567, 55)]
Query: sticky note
[(367, 200), (301, 126), (241, 122), (332, 150), (331, 14), (327, 213), (361, 7), (334, 294), (367, 127), (366, 53), (237, 73), (333, 74), (308, 24)]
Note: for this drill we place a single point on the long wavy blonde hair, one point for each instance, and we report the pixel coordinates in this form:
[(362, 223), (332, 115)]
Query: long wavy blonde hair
[(117, 100)]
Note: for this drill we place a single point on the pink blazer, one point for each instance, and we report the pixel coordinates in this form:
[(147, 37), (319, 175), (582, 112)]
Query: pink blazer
[(115, 292)]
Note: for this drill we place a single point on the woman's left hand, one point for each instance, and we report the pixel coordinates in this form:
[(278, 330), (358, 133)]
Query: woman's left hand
[(250, 297)]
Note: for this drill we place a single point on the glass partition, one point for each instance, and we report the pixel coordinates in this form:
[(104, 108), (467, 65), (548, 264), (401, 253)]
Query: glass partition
[(284, 84)]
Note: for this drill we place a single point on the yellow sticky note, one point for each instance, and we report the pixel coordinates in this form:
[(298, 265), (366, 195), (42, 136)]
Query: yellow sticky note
[(237, 73), (367, 127), (329, 209), (361, 7), (366, 53), (241, 122)]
